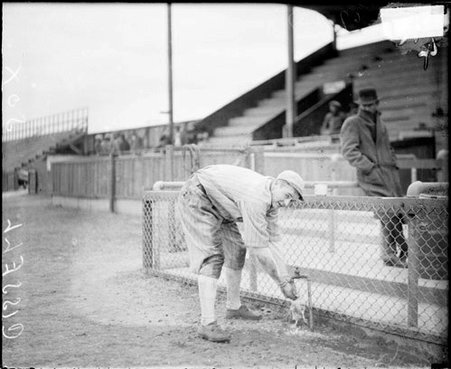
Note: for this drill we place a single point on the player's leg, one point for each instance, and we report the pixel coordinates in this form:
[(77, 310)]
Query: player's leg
[(399, 237), (200, 225), (388, 247), (235, 254)]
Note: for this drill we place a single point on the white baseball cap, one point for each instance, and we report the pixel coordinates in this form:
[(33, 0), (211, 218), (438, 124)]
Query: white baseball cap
[(294, 180)]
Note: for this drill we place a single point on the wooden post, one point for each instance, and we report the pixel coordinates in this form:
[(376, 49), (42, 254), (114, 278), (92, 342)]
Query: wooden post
[(112, 181), (290, 77), (169, 163), (85, 144), (16, 179), (257, 163), (310, 307), (170, 110)]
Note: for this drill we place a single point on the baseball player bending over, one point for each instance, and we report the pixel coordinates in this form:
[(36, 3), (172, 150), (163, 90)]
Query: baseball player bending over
[(210, 204)]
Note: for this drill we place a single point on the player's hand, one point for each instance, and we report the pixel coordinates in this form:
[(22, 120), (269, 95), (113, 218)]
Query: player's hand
[(288, 288)]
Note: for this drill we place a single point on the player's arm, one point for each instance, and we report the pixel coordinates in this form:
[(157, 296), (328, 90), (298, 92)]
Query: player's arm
[(259, 237), (350, 146), (273, 264)]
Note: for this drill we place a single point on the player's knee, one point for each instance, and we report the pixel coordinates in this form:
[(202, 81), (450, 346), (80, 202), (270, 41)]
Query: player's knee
[(237, 262), (212, 266)]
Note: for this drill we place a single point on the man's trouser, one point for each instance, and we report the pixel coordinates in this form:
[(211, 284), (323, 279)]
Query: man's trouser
[(212, 242), (393, 237)]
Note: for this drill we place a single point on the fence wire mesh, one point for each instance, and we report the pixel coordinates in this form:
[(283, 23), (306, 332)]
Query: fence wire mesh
[(338, 242)]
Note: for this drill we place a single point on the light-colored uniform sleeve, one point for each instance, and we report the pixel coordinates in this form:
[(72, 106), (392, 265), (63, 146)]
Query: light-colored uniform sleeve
[(273, 226), (257, 229)]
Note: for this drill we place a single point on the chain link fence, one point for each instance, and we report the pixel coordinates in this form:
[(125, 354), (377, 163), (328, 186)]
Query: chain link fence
[(336, 241)]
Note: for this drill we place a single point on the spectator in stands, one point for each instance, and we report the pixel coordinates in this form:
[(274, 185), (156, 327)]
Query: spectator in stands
[(136, 142), (115, 143), (106, 144), (353, 109), (177, 137), (164, 139), (333, 120), (98, 144), (180, 136), (202, 136), (191, 134), (366, 146), (124, 145), (120, 144)]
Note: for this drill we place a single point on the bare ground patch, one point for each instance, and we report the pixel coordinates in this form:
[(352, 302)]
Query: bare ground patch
[(85, 302)]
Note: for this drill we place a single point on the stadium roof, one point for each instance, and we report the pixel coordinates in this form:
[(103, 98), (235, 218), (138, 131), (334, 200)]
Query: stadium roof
[(349, 16)]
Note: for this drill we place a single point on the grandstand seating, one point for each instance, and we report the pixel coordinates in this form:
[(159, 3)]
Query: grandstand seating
[(409, 95), (19, 153)]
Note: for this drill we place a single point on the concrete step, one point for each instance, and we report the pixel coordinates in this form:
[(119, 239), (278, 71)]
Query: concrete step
[(332, 70), (262, 111), (306, 85), (371, 61), (300, 89), (417, 103), (235, 130), (403, 90), (280, 95), (403, 94), (396, 64), (272, 102), (374, 48), (381, 77), (406, 120), (396, 87), (244, 120), (229, 141), (406, 125), (409, 111)]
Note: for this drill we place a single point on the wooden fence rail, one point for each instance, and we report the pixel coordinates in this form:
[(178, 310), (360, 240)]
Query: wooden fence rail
[(133, 174), (128, 176)]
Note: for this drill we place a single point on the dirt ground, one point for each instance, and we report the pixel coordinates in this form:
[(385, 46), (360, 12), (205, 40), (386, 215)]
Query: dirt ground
[(83, 301)]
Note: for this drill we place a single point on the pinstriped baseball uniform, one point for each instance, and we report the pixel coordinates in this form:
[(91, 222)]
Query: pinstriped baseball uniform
[(209, 205)]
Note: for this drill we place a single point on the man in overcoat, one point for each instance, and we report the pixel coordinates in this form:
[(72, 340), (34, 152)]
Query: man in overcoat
[(366, 146)]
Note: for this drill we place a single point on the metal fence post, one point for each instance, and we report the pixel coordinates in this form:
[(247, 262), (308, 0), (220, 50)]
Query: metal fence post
[(147, 234), (112, 181), (413, 261), (333, 166), (412, 273)]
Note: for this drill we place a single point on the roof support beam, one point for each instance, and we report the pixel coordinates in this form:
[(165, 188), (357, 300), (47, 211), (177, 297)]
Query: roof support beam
[(290, 77)]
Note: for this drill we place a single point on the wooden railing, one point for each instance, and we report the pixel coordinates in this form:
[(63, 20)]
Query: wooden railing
[(76, 119), (130, 175)]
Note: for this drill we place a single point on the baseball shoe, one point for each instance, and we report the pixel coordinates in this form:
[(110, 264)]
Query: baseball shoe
[(213, 332), (242, 313), (395, 262), (403, 256)]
